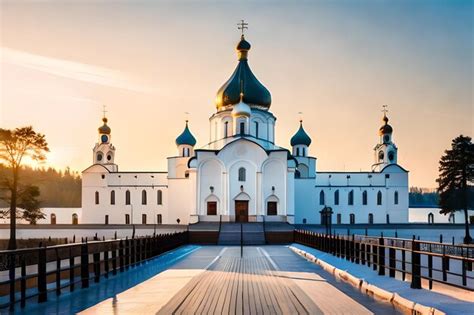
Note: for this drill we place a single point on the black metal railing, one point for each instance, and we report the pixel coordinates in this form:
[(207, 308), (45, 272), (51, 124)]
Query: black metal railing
[(75, 264), (434, 262)]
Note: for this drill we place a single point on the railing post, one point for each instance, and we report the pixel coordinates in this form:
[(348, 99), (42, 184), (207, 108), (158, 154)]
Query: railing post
[(106, 261), (71, 270), (121, 259), (362, 252), (127, 253), (357, 251), (464, 275), (415, 265), (84, 265), (58, 273), (23, 281), (42, 289), (367, 253), (96, 258), (374, 257), (352, 243), (381, 258), (392, 261), (11, 277)]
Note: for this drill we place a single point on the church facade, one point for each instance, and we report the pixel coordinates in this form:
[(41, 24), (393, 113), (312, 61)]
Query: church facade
[(242, 175)]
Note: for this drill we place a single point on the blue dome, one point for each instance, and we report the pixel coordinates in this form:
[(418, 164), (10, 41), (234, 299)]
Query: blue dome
[(186, 137), (300, 137)]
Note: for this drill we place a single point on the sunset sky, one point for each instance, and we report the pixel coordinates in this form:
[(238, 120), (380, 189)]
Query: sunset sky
[(150, 62)]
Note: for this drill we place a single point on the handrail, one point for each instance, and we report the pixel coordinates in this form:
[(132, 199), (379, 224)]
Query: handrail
[(241, 240), (264, 230)]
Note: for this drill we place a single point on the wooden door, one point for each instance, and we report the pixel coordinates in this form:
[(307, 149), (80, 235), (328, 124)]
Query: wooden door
[(271, 208), (211, 208), (242, 211)]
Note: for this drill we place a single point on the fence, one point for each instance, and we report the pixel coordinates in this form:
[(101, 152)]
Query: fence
[(434, 262), (36, 272)]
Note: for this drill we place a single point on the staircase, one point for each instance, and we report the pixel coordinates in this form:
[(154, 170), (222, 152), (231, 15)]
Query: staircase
[(230, 234)]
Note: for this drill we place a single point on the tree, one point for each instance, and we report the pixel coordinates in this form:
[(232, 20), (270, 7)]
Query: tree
[(455, 178), (15, 146), (28, 201)]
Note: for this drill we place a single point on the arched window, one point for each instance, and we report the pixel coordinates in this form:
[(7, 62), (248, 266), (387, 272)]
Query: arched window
[(350, 199), (226, 129), (159, 197), (106, 219), (143, 218), (143, 197), (352, 218), (96, 197), (75, 219), (338, 218), (430, 218), (388, 218), (304, 152), (452, 218), (395, 197), (297, 151), (242, 174), (364, 197), (127, 218), (159, 219), (112, 197), (53, 218), (242, 128), (321, 198), (371, 218), (379, 198), (336, 197), (127, 197), (256, 129)]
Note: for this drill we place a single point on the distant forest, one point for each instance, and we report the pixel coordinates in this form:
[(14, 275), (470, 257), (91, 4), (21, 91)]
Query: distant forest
[(57, 188), (423, 197)]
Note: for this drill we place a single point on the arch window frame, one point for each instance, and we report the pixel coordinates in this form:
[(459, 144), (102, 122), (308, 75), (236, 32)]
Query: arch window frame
[(144, 197), (128, 197), (53, 218), (364, 198), (144, 218), (159, 197), (336, 197), (379, 198), (112, 197), (322, 198), (371, 218), (351, 218), (159, 219), (75, 219), (350, 198), (395, 197), (242, 174), (97, 198), (127, 218)]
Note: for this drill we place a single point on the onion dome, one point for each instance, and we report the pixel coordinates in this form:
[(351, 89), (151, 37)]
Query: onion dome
[(241, 109), (104, 129), (386, 128), (300, 137), (186, 137), (256, 95)]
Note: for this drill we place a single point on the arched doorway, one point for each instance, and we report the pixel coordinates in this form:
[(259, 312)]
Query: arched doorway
[(430, 218)]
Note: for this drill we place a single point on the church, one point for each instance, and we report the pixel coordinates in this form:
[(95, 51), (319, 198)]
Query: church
[(242, 175)]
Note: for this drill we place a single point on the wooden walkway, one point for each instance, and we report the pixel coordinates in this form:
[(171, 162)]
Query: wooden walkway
[(234, 285)]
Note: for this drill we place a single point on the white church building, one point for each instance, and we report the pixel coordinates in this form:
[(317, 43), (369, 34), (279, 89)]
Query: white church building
[(242, 175)]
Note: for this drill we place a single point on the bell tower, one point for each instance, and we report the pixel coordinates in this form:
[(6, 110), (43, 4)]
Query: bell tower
[(104, 151), (385, 151)]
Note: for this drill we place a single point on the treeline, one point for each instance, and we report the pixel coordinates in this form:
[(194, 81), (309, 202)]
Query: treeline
[(60, 189), (423, 197)]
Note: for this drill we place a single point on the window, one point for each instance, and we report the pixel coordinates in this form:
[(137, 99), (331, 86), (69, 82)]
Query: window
[(143, 218), (159, 197), (395, 198), (336, 197), (127, 197), (211, 208), (364, 197), (226, 128), (304, 151), (75, 219), (371, 218), (99, 156), (379, 198), (242, 174), (338, 218), (388, 218), (430, 218), (53, 218), (452, 218), (321, 198), (96, 197), (159, 219), (186, 151), (352, 218), (271, 208), (256, 129), (350, 200), (297, 151), (127, 219), (112, 197), (242, 128), (143, 197), (106, 219)]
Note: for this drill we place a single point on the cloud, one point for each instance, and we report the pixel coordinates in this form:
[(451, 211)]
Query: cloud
[(73, 70)]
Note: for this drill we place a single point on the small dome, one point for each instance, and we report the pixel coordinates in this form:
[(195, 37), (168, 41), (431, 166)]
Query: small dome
[(300, 137), (243, 44), (104, 129), (241, 109), (186, 137), (385, 129)]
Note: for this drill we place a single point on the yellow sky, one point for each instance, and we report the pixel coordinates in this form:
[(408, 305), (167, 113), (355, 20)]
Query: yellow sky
[(335, 61)]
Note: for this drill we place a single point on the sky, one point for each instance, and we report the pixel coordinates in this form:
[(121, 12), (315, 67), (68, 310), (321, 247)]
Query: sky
[(150, 62)]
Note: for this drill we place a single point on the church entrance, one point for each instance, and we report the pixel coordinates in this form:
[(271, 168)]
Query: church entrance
[(241, 211)]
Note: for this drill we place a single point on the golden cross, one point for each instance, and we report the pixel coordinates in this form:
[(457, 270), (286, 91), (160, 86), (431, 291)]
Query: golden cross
[(242, 26), (103, 110), (385, 110)]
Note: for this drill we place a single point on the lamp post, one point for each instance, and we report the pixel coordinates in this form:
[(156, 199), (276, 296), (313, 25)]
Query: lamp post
[(326, 216)]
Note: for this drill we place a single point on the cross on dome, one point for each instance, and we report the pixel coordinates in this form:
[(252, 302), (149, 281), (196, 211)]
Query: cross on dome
[(242, 25)]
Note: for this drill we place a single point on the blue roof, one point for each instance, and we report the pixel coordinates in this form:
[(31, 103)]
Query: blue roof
[(186, 137), (300, 137)]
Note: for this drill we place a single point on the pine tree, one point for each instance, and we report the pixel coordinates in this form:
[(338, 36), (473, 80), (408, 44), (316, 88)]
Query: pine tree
[(455, 179)]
